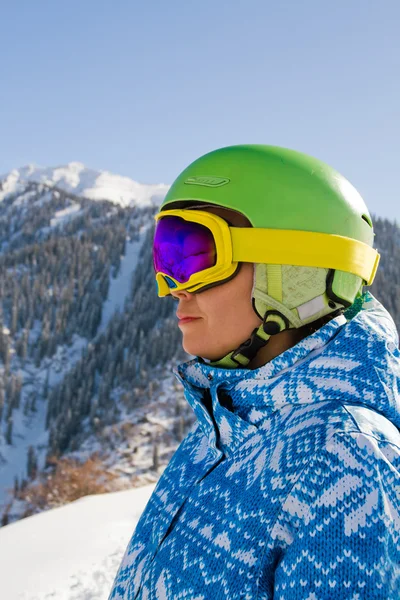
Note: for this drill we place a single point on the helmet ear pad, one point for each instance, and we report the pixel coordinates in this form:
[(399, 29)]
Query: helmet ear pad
[(302, 294)]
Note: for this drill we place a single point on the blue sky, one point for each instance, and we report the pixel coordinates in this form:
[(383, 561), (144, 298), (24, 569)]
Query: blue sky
[(143, 88)]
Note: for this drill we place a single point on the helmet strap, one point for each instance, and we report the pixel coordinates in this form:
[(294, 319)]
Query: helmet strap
[(273, 323), (276, 316)]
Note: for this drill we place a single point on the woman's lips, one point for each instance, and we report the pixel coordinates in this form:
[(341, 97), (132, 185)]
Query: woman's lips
[(187, 319)]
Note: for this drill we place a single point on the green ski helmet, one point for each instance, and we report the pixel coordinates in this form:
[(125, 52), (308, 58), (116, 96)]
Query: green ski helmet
[(278, 188)]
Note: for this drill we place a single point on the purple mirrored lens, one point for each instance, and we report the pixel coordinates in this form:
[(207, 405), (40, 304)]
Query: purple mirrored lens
[(181, 248)]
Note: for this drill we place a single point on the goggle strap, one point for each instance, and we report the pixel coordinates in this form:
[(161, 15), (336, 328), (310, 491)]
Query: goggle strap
[(304, 249)]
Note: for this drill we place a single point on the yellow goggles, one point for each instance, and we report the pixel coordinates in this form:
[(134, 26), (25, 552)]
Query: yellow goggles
[(181, 250)]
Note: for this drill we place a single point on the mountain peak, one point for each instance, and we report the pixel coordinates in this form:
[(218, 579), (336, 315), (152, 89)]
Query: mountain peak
[(78, 166), (78, 179)]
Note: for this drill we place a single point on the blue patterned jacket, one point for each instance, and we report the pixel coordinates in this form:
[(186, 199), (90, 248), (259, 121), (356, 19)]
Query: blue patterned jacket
[(288, 484)]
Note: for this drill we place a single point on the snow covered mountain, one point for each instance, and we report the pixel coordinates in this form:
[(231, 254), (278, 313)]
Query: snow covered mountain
[(82, 181), (85, 343)]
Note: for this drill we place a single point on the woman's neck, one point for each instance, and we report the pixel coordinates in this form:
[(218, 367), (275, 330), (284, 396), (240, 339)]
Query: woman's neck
[(285, 340)]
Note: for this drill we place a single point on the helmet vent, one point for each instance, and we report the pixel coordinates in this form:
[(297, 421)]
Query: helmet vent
[(367, 219)]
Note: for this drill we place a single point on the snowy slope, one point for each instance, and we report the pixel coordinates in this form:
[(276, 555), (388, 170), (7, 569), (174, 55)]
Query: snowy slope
[(121, 285), (80, 180), (72, 552), (30, 430)]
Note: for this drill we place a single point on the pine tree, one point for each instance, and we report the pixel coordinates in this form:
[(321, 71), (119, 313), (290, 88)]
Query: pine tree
[(1, 401), (155, 457), (17, 391), (9, 431), (26, 408), (45, 392), (33, 398), (6, 353), (32, 465)]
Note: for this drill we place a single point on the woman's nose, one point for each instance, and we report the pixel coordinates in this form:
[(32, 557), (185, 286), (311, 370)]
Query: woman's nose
[(181, 294)]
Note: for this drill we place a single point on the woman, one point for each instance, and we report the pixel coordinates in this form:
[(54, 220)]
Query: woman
[(287, 486)]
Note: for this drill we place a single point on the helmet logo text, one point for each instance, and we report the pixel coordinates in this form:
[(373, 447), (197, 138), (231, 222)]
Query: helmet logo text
[(207, 181)]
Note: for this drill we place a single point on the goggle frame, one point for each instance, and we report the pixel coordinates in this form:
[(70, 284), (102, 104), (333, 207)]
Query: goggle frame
[(285, 247)]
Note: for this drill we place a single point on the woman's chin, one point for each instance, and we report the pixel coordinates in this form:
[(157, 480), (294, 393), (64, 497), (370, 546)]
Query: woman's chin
[(203, 351)]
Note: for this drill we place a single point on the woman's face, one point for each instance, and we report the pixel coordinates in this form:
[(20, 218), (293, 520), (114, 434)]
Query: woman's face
[(224, 316)]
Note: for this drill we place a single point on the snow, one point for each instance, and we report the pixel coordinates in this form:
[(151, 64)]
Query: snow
[(120, 286), (127, 447), (72, 552), (66, 214), (80, 180), (9, 183)]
